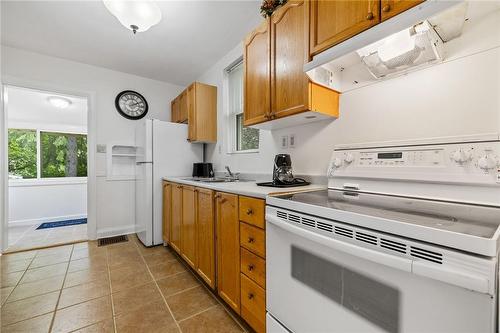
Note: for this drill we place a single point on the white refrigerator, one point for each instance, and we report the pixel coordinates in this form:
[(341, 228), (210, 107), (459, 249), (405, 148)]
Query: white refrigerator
[(162, 150)]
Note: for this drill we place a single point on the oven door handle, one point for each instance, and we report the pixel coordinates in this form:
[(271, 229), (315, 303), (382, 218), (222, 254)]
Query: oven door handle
[(358, 251)]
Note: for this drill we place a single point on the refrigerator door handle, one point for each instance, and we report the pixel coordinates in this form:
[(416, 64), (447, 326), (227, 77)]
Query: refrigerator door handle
[(142, 163)]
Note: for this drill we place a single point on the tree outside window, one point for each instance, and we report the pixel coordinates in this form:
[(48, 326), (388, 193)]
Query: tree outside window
[(22, 154)]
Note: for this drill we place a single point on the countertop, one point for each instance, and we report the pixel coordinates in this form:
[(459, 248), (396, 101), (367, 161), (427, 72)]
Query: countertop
[(246, 188)]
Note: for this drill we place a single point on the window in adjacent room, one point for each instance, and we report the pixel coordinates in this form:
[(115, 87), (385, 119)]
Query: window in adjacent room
[(22, 153), (243, 139)]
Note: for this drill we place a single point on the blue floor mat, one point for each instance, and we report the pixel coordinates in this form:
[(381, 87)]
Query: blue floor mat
[(64, 223)]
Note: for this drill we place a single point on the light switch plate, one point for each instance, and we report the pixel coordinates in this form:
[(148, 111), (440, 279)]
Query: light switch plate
[(292, 143), (284, 142), (101, 148)]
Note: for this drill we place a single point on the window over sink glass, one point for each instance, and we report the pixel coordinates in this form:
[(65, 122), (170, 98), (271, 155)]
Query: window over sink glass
[(242, 138)]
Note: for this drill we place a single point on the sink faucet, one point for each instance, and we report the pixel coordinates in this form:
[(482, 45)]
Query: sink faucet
[(230, 175)]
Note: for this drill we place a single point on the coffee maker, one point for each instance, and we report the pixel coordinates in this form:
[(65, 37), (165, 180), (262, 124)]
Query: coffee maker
[(282, 173)]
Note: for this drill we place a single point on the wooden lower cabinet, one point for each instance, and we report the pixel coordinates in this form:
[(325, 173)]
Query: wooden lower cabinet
[(390, 8), (253, 304), (167, 211), (228, 249), (176, 220), (188, 230), (205, 233)]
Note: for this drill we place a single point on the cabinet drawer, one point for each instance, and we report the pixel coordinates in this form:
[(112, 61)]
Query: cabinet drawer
[(253, 239), (254, 267), (252, 211), (253, 304)]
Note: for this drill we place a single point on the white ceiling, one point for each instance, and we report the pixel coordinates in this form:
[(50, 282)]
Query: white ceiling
[(191, 37), (32, 108)]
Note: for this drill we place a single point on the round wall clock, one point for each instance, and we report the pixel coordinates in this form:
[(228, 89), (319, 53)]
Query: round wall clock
[(131, 104)]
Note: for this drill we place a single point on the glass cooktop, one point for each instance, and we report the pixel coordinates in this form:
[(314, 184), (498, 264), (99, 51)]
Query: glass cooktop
[(475, 220)]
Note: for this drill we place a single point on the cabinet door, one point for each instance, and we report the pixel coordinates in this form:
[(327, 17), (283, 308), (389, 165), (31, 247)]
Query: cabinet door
[(175, 227), (191, 114), (205, 236), (228, 249), (289, 52), (188, 230), (257, 75), (183, 107), (391, 8), (332, 22), (167, 210)]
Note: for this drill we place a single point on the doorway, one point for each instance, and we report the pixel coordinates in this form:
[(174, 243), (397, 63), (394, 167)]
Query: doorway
[(47, 161)]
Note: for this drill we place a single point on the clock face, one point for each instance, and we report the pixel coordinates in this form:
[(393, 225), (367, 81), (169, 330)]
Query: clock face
[(131, 104)]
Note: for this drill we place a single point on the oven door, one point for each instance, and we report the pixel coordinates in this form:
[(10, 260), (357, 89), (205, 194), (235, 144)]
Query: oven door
[(332, 286)]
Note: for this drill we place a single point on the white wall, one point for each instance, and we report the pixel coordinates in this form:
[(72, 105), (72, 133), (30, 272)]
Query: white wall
[(36, 203), (459, 97), (115, 199)]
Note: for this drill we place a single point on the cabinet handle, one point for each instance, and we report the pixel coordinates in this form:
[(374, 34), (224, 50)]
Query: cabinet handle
[(179, 186), (250, 267), (250, 240), (249, 211), (217, 196), (195, 190), (386, 8), (370, 16), (250, 296)]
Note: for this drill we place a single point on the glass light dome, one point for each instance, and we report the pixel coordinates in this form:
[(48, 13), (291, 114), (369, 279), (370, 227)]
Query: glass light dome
[(137, 16)]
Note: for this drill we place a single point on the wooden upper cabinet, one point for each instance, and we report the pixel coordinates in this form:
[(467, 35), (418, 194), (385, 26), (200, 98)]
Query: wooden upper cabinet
[(228, 249), (202, 112), (332, 22), (390, 8), (289, 53), (188, 230), (205, 231), (174, 107), (167, 210), (183, 108), (256, 76), (176, 220)]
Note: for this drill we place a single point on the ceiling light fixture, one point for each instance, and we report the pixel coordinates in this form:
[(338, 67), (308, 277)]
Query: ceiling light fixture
[(59, 102), (137, 16)]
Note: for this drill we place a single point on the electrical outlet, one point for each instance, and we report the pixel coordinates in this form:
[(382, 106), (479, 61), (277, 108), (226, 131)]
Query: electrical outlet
[(292, 142), (284, 142), (100, 148)]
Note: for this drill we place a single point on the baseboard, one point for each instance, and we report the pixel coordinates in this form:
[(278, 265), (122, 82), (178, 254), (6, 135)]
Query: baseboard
[(116, 231), (25, 223)]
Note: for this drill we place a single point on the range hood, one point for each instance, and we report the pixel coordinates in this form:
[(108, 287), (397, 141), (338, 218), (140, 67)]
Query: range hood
[(409, 41)]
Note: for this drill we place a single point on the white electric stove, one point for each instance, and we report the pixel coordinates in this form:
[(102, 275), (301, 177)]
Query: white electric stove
[(405, 239)]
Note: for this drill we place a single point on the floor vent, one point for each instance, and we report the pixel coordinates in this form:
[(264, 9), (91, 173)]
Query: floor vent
[(112, 240)]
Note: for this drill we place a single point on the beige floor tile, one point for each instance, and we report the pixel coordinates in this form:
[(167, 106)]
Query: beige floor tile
[(177, 283), (189, 302), (121, 247), (92, 263), (82, 315), (151, 250), (31, 289), (214, 320), (64, 250), (36, 274), (4, 294), (29, 308), (10, 279), (17, 256), (133, 298), (80, 253), (40, 324), (106, 326), (127, 258), (85, 245), (159, 258), (167, 269), (15, 266), (83, 293), (85, 276), (153, 317), (49, 260), (128, 277)]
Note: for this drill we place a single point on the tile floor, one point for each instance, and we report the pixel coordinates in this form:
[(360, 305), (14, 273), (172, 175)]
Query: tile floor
[(27, 237), (123, 287)]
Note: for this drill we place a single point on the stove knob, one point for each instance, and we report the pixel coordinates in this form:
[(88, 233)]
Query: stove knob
[(461, 156), (337, 163), (349, 158), (487, 162)]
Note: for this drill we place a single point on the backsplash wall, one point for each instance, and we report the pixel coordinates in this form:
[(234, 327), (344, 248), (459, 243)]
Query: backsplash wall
[(423, 104)]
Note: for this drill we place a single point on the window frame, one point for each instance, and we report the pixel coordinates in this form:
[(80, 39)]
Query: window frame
[(47, 180), (231, 118)]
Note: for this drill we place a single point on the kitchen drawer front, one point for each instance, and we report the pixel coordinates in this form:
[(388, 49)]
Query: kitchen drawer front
[(253, 239), (254, 267), (252, 211), (253, 304)]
